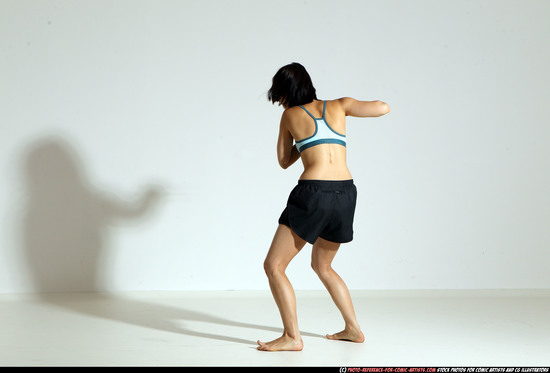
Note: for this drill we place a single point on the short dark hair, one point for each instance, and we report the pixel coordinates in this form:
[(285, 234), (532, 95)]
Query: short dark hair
[(292, 86)]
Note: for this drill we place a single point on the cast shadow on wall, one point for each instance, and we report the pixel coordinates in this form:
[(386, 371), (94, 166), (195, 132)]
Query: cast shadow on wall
[(66, 219), (64, 234)]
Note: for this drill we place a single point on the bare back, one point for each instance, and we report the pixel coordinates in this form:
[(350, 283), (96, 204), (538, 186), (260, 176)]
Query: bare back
[(323, 161)]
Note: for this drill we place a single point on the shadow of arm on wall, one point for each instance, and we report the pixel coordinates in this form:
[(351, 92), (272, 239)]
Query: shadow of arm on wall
[(118, 209), (64, 227)]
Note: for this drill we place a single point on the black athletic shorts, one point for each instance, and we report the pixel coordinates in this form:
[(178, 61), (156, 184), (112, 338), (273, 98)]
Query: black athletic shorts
[(321, 208)]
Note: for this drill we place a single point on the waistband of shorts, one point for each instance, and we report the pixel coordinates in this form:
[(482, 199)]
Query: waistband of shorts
[(327, 184)]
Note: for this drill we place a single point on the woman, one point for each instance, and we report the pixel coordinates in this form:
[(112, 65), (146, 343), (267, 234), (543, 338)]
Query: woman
[(320, 208)]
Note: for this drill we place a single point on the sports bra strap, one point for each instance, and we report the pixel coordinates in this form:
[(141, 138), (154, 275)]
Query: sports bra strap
[(324, 134), (311, 115)]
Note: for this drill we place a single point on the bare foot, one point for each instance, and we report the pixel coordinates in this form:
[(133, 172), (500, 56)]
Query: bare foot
[(348, 335), (284, 343)]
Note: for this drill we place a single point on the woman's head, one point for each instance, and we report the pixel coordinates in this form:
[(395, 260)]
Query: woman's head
[(292, 86)]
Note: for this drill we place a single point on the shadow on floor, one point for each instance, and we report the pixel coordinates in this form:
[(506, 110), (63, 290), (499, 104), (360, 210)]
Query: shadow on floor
[(150, 315)]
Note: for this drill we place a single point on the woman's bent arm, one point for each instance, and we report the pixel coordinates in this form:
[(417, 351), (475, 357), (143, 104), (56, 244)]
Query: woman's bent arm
[(287, 153), (364, 109), (294, 156)]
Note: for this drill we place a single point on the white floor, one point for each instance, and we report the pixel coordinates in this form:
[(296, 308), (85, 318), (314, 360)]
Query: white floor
[(415, 328)]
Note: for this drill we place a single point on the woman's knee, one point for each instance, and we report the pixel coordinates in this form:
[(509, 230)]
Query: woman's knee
[(321, 269), (322, 255), (273, 268)]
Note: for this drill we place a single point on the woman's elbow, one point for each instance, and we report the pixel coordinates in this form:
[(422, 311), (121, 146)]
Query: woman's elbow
[(384, 108), (284, 166), (283, 163)]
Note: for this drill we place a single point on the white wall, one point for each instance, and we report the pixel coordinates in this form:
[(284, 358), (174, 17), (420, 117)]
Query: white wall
[(101, 99)]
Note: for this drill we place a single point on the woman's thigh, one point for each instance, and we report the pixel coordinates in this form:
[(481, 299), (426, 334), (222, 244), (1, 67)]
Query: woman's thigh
[(285, 246), (322, 253)]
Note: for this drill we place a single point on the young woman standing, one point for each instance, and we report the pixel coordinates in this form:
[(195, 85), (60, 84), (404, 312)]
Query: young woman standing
[(321, 207)]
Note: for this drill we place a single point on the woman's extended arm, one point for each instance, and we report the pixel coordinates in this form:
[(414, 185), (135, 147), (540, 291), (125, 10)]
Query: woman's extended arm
[(364, 109), (287, 153)]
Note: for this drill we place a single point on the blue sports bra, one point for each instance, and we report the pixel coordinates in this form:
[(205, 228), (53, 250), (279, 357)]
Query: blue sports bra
[(324, 134)]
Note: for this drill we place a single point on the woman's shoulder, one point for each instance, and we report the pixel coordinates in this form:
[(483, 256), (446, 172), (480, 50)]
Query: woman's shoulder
[(292, 111), (298, 110), (338, 104), (343, 101)]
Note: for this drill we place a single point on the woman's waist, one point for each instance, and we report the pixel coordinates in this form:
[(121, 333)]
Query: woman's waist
[(332, 186), (325, 182), (326, 173)]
